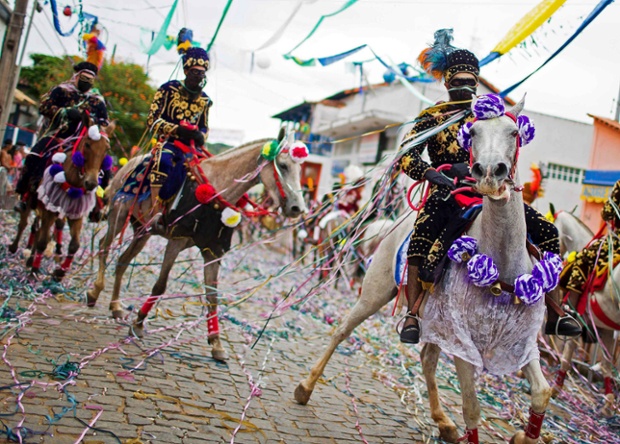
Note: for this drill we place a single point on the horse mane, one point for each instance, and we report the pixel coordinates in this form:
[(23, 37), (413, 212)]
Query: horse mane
[(579, 221)]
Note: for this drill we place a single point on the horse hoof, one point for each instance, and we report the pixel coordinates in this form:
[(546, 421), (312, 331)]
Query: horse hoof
[(137, 330), (117, 314), (555, 391), (449, 433), (58, 274), (12, 249), (219, 355), (91, 300), (518, 438), (302, 394), (29, 261)]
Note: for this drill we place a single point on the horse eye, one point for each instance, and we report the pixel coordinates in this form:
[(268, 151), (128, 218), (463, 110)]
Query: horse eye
[(472, 132), (283, 167), (87, 145), (514, 133)]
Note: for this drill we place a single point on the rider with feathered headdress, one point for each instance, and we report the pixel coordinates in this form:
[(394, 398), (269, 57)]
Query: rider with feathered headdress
[(437, 223)]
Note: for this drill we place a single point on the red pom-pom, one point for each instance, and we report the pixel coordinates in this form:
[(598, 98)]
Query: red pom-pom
[(299, 152), (243, 201), (205, 193), (67, 11)]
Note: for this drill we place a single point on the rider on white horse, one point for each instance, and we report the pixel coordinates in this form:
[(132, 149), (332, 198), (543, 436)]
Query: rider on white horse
[(435, 222)]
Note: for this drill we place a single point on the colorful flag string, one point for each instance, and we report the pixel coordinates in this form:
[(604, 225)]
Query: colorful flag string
[(219, 25)]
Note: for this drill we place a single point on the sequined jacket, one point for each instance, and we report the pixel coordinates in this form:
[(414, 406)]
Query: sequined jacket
[(442, 147), (608, 213), (66, 95), (172, 104)]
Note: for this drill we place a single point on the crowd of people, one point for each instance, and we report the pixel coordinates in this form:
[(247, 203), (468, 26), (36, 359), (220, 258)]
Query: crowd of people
[(12, 159)]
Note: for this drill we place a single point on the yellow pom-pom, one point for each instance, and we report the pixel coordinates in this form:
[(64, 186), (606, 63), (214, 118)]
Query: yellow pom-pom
[(230, 217), (571, 256), (270, 150), (550, 217), (99, 192), (122, 161), (153, 141)]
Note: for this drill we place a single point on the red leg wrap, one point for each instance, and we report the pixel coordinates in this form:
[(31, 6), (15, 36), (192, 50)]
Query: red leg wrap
[(36, 262), (148, 305), (58, 235), (213, 326), (534, 424), (66, 264), (30, 240), (559, 379), (470, 437), (609, 385)]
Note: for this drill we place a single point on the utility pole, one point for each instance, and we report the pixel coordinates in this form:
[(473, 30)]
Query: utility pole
[(9, 57)]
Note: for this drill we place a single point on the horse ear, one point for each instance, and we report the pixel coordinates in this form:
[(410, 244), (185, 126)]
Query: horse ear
[(110, 128), (281, 134), (518, 108)]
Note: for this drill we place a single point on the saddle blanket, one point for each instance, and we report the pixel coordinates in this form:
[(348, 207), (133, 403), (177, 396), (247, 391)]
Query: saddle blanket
[(400, 261), (137, 185)]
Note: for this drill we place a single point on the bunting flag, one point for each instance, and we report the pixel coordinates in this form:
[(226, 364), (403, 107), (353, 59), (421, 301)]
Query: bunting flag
[(323, 17), (525, 27), (595, 12), (324, 61), (162, 36), (219, 25)]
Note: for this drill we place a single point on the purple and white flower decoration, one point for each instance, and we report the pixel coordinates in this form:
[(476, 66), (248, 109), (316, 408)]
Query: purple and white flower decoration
[(463, 137), (488, 106), (528, 289), (482, 271), (526, 129), (463, 249)]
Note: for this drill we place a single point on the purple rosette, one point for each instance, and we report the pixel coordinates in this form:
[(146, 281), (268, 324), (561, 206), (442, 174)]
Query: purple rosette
[(482, 270), (75, 193), (526, 129), (555, 259), (462, 249), (547, 275), (107, 162), (528, 289), (55, 169), (463, 137), (488, 106), (78, 159)]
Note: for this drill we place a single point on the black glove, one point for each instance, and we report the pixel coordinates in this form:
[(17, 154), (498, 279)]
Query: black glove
[(438, 179), (73, 114), (199, 138), (187, 134), (459, 170)]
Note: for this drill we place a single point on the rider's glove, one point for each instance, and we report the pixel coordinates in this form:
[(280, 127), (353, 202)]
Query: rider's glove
[(187, 134), (73, 114), (438, 179), (459, 170)]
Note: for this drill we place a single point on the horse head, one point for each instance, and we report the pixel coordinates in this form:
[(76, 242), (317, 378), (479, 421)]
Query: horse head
[(88, 154), (282, 177), (494, 139)]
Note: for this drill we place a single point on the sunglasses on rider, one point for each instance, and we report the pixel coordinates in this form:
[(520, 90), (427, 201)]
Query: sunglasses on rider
[(197, 73), (86, 78), (468, 81)]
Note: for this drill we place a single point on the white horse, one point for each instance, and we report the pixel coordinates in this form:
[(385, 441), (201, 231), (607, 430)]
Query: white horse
[(603, 309), (478, 329)]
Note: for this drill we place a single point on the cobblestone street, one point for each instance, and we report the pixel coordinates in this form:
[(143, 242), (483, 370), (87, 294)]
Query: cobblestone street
[(166, 388)]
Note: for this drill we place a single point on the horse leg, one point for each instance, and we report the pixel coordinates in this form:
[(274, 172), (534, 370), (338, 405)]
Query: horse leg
[(23, 223), (607, 339), (59, 226), (135, 247), (105, 242), (75, 228), (541, 393), (466, 373), (375, 294), (565, 363), (42, 239), (211, 270), (430, 358), (32, 237), (173, 248)]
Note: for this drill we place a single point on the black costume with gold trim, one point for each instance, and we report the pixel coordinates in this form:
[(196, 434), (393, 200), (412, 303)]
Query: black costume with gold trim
[(425, 251), (576, 274), (174, 104)]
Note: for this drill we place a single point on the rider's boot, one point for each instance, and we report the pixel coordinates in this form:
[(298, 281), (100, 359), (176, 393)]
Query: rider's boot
[(410, 333), (558, 321)]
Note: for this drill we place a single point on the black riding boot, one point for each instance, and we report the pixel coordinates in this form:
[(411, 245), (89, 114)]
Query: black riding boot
[(558, 321), (410, 333)]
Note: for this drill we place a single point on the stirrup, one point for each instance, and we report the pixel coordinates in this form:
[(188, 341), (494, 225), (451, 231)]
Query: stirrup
[(409, 329), (557, 326)]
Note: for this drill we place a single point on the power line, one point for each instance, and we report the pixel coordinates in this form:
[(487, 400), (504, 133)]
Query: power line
[(36, 28), (54, 32)]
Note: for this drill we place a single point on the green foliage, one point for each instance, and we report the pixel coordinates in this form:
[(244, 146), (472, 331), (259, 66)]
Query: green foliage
[(124, 85)]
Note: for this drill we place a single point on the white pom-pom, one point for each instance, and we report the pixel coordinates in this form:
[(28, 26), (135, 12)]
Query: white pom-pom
[(230, 217), (59, 158), (94, 133), (263, 62), (60, 177), (299, 152), (302, 234)]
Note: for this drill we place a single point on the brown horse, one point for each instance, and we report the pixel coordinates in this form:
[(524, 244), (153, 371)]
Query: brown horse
[(231, 173), (70, 191)]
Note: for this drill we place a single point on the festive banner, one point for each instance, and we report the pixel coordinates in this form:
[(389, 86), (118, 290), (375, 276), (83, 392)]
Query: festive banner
[(595, 12), (323, 17), (526, 26), (278, 34), (219, 25), (162, 35)]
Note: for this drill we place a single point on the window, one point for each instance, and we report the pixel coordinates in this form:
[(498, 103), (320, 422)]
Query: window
[(564, 173)]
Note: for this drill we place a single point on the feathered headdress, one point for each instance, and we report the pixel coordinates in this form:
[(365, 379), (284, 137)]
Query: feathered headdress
[(434, 59)]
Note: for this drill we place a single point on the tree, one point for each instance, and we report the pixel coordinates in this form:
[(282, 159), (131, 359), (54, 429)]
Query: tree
[(123, 85)]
